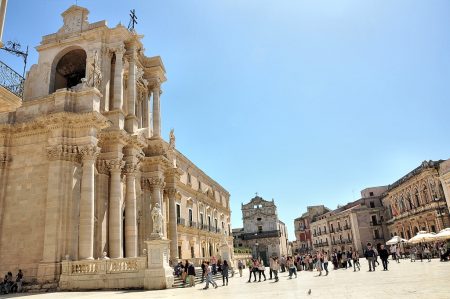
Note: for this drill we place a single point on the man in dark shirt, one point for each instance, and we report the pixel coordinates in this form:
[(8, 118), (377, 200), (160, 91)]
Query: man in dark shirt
[(370, 256), (384, 254)]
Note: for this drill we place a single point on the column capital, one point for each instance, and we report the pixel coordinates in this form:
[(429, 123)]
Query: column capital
[(171, 192), (156, 183), (115, 165), (119, 50), (63, 152), (102, 167), (89, 152), (131, 168)]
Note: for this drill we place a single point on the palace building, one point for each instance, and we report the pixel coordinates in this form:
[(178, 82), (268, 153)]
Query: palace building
[(85, 171), (417, 201)]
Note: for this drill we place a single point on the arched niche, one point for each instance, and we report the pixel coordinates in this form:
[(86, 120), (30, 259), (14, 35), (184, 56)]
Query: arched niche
[(68, 68)]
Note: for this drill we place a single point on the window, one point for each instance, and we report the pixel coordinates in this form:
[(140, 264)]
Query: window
[(179, 252), (376, 234), (199, 185), (331, 228), (215, 223), (374, 220), (190, 217), (209, 222), (201, 219), (433, 228), (189, 178), (258, 219), (178, 213), (259, 228), (372, 204), (192, 252), (370, 193)]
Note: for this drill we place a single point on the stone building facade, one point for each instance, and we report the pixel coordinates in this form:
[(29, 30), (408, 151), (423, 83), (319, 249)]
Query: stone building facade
[(418, 201), (352, 225), (303, 238), (84, 167), (263, 231)]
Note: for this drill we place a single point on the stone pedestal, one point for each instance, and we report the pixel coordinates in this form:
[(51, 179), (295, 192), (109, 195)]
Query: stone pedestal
[(158, 275)]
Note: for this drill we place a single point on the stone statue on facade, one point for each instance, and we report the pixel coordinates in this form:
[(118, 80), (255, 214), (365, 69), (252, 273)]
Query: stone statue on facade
[(157, 218), (94, 72), (172, 139)]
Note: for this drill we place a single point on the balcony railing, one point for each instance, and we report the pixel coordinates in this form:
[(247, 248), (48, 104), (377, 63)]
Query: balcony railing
[(11, 80), (258, 235)]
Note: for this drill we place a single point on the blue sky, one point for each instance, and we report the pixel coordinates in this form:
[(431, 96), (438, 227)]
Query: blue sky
[(306, 102)]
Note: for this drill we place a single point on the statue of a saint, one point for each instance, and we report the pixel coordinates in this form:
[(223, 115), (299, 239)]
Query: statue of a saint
[(157, 219), (172, 140)]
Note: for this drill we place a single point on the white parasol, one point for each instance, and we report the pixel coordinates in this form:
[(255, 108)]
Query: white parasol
[(443, 234), (421, 237), (396, 240)]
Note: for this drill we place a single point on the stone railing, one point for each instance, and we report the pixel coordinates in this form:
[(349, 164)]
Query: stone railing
[(106, 266)]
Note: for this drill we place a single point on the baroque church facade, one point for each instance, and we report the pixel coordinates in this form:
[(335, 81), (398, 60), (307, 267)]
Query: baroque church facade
[(83, 163)]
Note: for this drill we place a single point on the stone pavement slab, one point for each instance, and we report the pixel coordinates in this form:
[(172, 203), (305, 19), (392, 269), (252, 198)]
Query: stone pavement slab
[(404, 280)]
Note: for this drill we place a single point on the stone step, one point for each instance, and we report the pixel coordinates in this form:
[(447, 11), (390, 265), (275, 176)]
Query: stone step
[(178, 283)]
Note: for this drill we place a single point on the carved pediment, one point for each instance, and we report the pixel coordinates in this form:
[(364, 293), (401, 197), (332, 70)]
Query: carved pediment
[(75, 20)]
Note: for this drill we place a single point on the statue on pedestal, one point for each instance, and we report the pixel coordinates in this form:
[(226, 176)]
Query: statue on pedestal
[(157, 218)]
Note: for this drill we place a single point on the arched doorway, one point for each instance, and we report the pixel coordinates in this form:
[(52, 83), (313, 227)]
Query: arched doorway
[(69, 70)]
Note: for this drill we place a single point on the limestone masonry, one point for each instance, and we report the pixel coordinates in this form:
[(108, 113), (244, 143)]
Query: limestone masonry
[(91, 196)]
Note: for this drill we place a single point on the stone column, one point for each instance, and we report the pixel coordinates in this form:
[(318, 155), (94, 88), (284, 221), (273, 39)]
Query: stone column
[(115, 209), (86, 234), (130, 211), (156, 111), (118, 78), (102, 208), (2, 19), (131, 121), (106, 67), (173, 235)]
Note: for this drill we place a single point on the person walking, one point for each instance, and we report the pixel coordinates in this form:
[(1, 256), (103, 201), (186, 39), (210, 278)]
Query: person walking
[(319, 260), (225, 269), (356, 264), (275, 267), (271, 260), (261, 270), (393, 250), (349, 257), (384, 255), (325, 262), (240, 267), (427, 253), (370, 256), (191, 274), (209, 278), (291, 267), (413, 254), (283, 263), (253, 268)]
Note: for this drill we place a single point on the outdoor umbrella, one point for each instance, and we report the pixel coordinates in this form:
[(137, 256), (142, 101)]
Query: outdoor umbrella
[(396, 240), (443, 234), (421, 237)]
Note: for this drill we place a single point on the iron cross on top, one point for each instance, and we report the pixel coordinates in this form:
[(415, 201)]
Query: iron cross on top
[(133, 20)]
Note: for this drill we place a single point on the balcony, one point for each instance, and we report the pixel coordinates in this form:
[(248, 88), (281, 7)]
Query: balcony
[(259, 235), (11, 93), (375, 223)]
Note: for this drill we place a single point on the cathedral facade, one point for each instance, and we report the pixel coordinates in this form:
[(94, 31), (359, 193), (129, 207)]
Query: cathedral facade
[(83, 164)]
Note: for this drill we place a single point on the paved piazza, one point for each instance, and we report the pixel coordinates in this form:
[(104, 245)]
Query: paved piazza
[(404, 280)]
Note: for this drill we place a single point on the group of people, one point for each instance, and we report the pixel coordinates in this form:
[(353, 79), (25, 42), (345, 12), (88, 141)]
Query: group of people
[(187, 273), (9, 285), (256, 266)]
